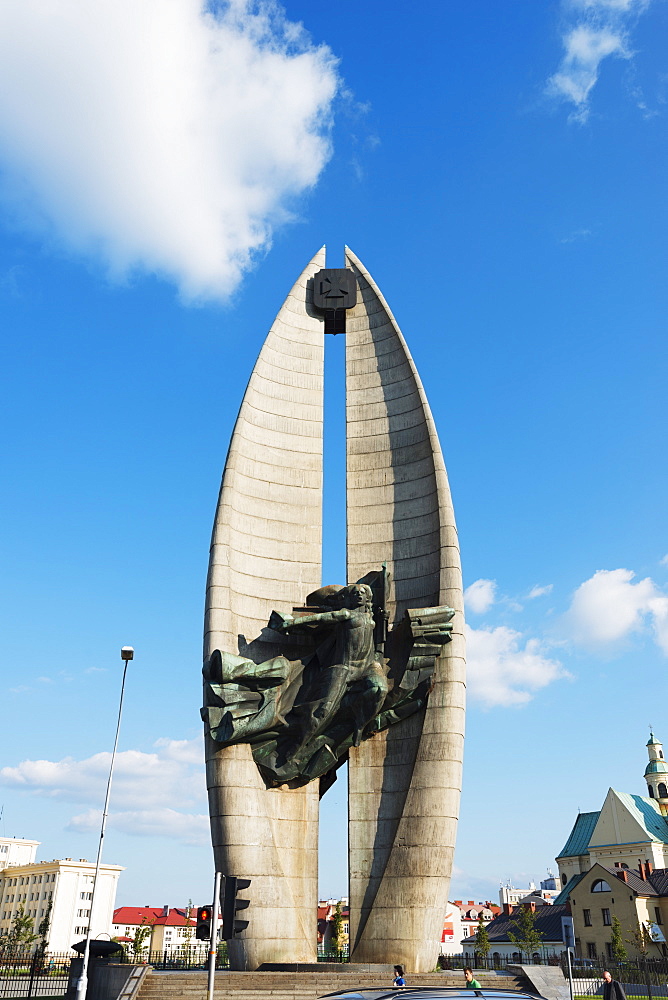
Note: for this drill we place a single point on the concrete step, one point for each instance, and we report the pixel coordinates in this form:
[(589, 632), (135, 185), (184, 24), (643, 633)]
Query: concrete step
[(293, 985)]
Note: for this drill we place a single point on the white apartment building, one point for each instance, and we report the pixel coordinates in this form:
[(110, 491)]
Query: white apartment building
[(68, 886), (15, 851)]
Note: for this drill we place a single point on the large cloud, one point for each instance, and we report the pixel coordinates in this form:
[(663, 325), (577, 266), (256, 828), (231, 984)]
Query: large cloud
[(609, 607), (142, 781), (167, 136), (504, 668), (595, 29)]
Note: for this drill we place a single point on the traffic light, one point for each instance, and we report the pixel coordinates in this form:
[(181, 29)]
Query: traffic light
[(232, 926), (203, 932)]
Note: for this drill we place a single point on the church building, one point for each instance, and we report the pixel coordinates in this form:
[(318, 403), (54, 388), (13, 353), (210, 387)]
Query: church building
[(627, 830)]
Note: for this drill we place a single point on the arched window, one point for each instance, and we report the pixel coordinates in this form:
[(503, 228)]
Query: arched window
[(651, 792), (600, 886), (663, 791), (517, 957), (661, 754), (625, 866), (536, 958), (564, 880)]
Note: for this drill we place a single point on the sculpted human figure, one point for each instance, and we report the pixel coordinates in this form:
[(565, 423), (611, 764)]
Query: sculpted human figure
[(350, 678)]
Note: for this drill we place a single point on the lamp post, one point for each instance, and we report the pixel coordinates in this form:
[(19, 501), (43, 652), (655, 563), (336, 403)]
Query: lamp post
[(127, 654)]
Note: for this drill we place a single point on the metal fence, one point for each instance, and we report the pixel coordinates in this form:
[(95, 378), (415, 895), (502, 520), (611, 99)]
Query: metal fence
[(643, 977), (31, 973), (494, 962), (166, 961)]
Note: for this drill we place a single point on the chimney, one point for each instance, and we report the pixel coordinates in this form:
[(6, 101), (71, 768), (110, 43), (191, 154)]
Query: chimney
[(458, 902), (622, 874), (530, 906), (507, 909), (471, 902), (165, 910), (648, 868)]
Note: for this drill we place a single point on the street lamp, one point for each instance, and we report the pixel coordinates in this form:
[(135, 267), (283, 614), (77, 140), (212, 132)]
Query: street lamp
[(127, 654)]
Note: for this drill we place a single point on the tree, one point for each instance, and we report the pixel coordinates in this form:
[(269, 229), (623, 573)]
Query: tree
[(482, 944), (528, 937), (20, 934), (617, 943), (640, 939), (43, 932), (338, 933), (138, 944)]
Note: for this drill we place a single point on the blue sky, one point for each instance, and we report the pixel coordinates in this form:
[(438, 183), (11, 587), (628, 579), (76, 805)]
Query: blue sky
[(166, 174)]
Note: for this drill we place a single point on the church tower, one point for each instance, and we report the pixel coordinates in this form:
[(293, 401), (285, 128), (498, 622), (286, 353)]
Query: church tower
[(656, 774)]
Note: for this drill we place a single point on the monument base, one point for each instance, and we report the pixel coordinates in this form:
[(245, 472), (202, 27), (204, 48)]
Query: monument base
[(354, 967)]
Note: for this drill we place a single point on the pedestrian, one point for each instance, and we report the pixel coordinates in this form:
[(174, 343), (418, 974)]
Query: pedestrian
[(473, 984), (399, 976), (612, 990)]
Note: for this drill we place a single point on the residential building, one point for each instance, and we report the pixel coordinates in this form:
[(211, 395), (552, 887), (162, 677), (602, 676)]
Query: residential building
[(326, 915), (451, 935), (469, 913), (627, 830), (552, 922), (639, 899), (68, 886), (15, 851), (172, 929)]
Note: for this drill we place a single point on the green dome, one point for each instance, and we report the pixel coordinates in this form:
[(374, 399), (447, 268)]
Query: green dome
[(656, 767)]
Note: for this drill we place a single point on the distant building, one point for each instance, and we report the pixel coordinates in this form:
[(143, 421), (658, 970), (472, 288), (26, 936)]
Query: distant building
[(469, 913), (627, 831), (451, 935), (509, 895), (326, 915), (17, 852), (68, 886), (551, 922), (172, 930)]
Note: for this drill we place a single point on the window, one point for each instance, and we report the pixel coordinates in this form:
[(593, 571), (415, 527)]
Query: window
[(606, 917), (661, 754), (89, 895), (663, 791), (651, 792), (600, 886), (657, 915), (608, 949), (591, 949), (586, 916), (564, 880)]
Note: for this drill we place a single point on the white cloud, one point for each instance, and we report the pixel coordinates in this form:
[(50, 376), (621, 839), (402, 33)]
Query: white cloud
[(664, 560), (610, 606), (480, 596), (142, 781), (506, 669), (539, 591), (165, 136), (188, 828), (595, 29)]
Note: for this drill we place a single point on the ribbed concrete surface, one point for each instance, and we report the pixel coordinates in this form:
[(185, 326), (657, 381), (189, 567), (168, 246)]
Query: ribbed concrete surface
[(265, 554), (404, 785)]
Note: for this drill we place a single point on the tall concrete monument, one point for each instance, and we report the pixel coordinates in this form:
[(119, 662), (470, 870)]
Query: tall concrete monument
[(299, 676)]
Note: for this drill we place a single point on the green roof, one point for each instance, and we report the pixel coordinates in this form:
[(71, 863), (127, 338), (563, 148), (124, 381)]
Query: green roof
[(656, 767), (648, 813), (578, 842), (570, 885)]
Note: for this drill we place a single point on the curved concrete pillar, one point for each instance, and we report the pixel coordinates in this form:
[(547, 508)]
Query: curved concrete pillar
[(265, 554), (404, 783)]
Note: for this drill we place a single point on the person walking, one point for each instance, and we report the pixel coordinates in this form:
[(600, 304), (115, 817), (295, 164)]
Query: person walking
[(612, 990), (473, 984), (399, 976)]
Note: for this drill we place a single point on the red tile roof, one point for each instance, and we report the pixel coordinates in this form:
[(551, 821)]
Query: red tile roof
[(154, 915)]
